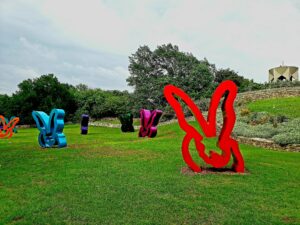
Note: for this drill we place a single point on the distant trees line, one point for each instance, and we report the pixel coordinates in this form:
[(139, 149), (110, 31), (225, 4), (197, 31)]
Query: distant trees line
[(149, 71)]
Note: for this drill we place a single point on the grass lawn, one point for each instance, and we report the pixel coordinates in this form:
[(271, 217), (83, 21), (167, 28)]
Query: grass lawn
[(108, 177), (289, 106), (136, 121)]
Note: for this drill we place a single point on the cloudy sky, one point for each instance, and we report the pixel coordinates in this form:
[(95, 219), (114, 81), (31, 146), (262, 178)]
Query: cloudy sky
[(89, 41)]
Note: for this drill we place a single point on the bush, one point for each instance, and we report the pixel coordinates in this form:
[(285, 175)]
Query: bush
[(260, 131), (245, 112), (284, 133), (287, 138), (259, 118), (168, 114), (203, 104)]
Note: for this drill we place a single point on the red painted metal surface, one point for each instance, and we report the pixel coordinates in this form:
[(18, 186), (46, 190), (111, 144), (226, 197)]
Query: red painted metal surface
[(225, 142)]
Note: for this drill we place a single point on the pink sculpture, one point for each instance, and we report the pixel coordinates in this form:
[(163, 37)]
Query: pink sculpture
[(149, 121)]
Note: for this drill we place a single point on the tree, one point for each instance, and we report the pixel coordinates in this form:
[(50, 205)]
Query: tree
[(43, 94), (99, 103), (243, 83), (151, 71), (5, 106)]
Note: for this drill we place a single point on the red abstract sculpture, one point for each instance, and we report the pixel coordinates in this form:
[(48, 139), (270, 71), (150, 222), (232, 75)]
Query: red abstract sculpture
[(7, 129), (228, 145)]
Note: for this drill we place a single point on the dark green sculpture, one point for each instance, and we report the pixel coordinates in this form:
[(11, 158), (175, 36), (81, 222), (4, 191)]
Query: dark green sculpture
[(126, 121)]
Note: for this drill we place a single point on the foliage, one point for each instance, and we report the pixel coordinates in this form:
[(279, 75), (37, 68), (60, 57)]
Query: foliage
[(288, 133), (150, 71), (42, 94), (242, 83), (5, 105), (280, 84), (263, 125), (244, 112), (260, 131), (98, 103)]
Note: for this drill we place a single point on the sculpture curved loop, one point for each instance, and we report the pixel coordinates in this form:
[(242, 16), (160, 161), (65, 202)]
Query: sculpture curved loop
[(149, 121), (51, 128), (227, 145), (7, 127)]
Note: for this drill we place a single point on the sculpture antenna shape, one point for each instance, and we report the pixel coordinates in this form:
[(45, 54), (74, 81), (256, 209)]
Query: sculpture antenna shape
[(228, 145), (6, 131)]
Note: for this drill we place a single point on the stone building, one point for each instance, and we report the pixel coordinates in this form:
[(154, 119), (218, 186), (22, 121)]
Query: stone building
[(282, 73)]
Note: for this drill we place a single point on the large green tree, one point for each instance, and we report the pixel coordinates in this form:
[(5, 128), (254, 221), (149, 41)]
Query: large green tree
[(99, 103), (5, 108), (150, 71), (43, 94)]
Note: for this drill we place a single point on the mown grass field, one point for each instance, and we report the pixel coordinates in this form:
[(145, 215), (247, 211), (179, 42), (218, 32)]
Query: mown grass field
[(109, 177), (289, 106)]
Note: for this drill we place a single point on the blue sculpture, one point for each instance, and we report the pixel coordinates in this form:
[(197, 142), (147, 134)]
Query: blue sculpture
[(51, 128), (84, 123)]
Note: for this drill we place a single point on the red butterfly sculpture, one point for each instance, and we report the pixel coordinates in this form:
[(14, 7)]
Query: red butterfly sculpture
[(7, 129), (225, 142)]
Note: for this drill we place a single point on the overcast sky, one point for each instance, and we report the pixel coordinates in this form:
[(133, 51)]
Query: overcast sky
[(89, 41)]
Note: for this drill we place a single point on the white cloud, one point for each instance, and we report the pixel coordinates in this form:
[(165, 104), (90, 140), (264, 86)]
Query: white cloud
[(96, 37)]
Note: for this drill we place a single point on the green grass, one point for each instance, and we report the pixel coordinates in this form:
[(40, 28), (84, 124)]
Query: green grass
[(289, 106), (109, 177)]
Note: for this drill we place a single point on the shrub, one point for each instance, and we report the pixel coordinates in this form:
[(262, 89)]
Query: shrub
[(168, 114), (259, 118), (260, 131), (203, 104), (287, 138), (244, 112)]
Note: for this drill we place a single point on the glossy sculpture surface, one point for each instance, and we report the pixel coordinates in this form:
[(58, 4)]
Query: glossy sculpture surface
[(15, 130), (7, 127), (126, 120), (225, 142), (84, 123), (149, 121), (51, 128)]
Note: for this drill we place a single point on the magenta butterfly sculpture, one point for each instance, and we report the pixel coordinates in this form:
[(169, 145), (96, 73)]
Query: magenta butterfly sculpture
[(149, 121)]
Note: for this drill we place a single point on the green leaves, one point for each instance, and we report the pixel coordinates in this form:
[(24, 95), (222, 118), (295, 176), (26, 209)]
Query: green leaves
[(151, 71)]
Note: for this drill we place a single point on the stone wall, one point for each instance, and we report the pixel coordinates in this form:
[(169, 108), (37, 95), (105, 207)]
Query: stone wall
[(268, 93)]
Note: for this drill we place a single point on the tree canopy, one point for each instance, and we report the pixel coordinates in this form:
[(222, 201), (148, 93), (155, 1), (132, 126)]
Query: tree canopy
[(150, 71)]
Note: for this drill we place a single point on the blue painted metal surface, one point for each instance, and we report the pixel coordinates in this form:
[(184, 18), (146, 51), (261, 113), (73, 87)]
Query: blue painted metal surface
[(51, 128)]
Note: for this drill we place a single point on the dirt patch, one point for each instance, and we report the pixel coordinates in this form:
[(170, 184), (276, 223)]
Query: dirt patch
[(289, 220), (18, 218), (210, 170)]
